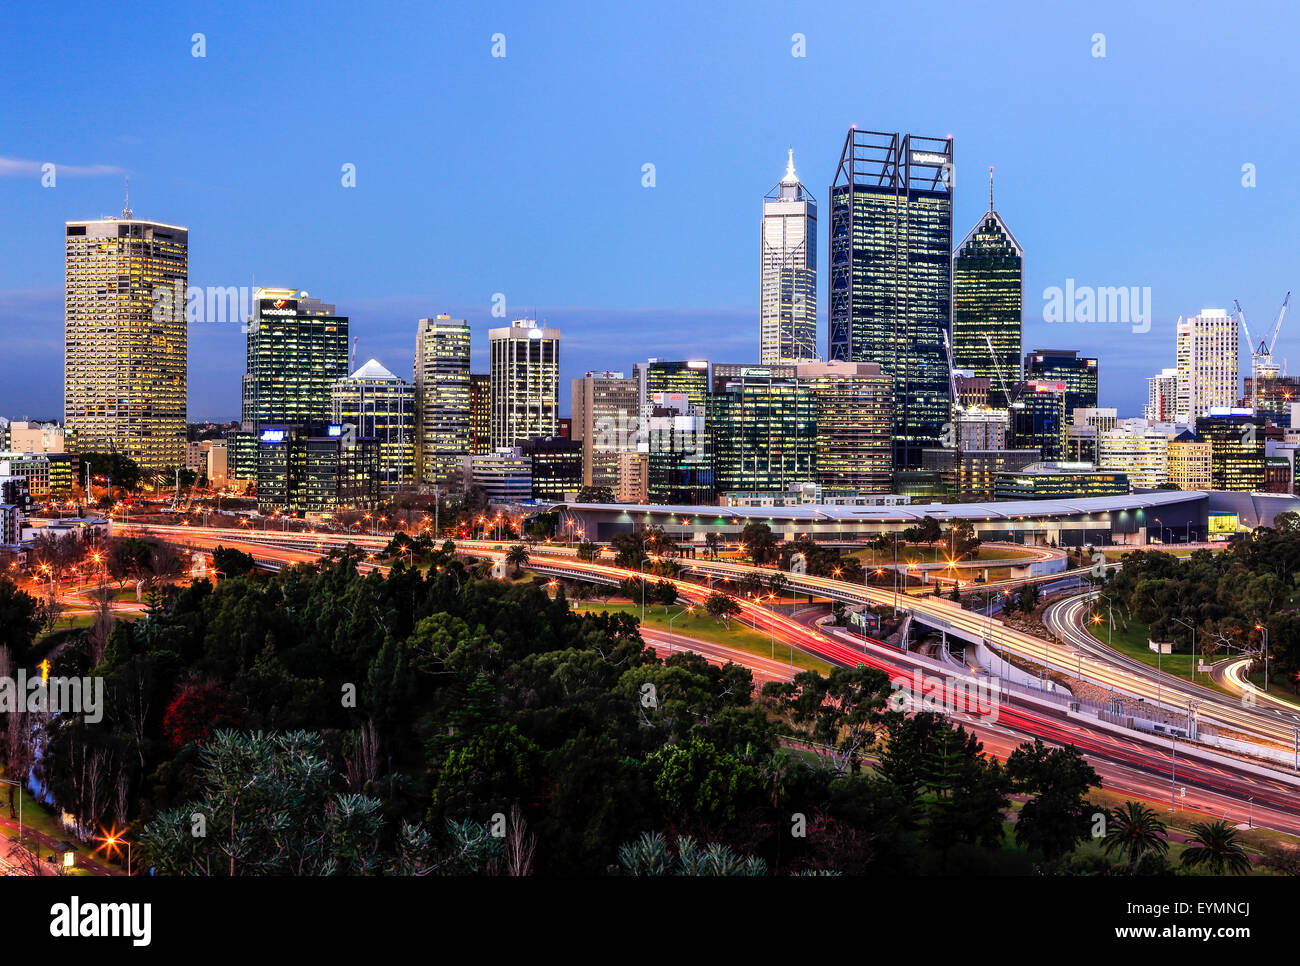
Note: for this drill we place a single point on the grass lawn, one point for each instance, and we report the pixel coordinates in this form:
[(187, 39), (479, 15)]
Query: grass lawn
[(703, 627), (1133, 643), (36, 817)]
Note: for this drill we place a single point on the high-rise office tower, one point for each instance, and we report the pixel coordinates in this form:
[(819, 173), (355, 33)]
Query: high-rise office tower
[(525, 370), (1162, 396), (673, 398), (442, 396), (763, 427), (606, 418), (1207, 364), (988, 280), (1237, 451), (125, 338), (480, 413), (788, 272), (381, 407), (297, 349), (854, 421), (890, 289), (1038, 418), (1078, 373)]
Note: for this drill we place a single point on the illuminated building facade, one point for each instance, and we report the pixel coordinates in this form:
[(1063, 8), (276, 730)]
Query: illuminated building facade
[(890, 287), (788, 272), (125, 338), (525, 371), (988, 279), (382, 408), (442, 397), (763, 427), (1077, 373), (1236, 438), (854, 416), (480, 413)]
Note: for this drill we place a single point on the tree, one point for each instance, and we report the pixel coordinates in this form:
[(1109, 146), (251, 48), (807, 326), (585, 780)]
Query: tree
[(595, 494), (759, 542), (587, 550), (930, 531), (839, 713), (20, 619), (721, 608), (650, 855), (777, 583), (196, 712), (1216, 847), (711, 543), (663, 592), (1133, 831), (232, 562), (517, 557), (1056, 818)]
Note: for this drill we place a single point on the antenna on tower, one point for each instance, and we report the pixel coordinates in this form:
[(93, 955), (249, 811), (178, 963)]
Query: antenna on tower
[(126, 208), (990, 187)]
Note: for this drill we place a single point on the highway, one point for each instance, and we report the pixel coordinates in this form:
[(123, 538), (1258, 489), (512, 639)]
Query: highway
[(1131, 762)]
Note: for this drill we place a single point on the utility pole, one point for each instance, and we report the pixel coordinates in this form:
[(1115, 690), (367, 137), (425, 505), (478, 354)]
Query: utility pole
[(1173, 773)]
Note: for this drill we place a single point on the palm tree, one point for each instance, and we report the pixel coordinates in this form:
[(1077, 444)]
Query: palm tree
[(1133, 831), (711, 541), (517, 557), (1216, 847)]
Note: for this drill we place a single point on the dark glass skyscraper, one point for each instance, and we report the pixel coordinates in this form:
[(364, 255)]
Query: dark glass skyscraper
[(891, 274), (988, 304), (1079, 373), (297, 349), (763, 425)]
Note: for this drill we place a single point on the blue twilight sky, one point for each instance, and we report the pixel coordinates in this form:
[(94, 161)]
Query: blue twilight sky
[(522, 175)]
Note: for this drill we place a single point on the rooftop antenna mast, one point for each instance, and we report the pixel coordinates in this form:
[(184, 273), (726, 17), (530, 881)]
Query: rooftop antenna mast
[(126, 207)]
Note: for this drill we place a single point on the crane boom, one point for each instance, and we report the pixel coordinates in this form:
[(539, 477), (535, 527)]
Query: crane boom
[(998, 369), (1278, 327)]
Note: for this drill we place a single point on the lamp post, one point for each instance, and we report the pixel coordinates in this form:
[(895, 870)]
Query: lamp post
[(115, 840), (1263, 630), (1192, 627), (688, 609)]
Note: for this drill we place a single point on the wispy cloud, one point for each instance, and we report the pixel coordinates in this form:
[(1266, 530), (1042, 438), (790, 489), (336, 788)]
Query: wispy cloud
[(18, 168)]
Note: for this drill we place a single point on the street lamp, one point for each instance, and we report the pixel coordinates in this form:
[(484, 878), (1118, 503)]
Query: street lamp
[(1264, 632), (112, 840), (688, 609), (1179, 620)]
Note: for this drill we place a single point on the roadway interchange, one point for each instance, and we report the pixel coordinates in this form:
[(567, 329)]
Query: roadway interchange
[(1129, 762)]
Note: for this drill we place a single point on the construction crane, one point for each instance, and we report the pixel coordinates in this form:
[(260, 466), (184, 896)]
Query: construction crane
[(1013, 401), (1261, 357)]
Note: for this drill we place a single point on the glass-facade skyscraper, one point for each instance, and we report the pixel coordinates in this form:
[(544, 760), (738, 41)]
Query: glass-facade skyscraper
[(788, 273), (988, 275), (763, 425), (890, 288), (382, 408), (442, 394), (525, 371), (125, 338), (1078, 373), (297, 349)]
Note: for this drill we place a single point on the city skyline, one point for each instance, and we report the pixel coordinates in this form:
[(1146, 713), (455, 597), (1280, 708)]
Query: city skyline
[(1076, 208)]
